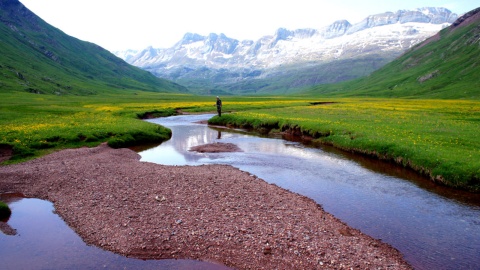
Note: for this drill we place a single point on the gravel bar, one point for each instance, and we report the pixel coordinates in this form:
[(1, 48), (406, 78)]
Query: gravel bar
[(214, 213)]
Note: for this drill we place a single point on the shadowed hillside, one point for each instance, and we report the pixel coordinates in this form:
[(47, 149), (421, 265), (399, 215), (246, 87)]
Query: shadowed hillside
[(39, 58)]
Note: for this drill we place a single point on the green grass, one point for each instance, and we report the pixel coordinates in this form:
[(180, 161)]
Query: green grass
[(34, 124), (435, 137), (438, 138)]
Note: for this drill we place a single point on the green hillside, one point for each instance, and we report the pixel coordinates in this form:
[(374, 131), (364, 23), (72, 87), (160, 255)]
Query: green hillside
[(445, 66), (38, 58)]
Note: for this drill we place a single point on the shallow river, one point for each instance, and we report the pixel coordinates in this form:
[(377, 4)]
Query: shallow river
[(434, 227)]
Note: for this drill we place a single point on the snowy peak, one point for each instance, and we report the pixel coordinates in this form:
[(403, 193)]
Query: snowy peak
[(207, 44), (380, 37), (422, 15), (214, 46), (439, 15), (189, 38), (221, 43), (336, 29), (284, 34)]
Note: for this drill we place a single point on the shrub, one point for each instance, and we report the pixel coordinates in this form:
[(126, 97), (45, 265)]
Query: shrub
[(20, 151)]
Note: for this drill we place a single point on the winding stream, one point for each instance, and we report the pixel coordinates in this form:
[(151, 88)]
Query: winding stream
[(434, 227)]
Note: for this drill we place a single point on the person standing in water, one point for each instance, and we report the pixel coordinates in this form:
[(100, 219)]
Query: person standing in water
[(219, 106)]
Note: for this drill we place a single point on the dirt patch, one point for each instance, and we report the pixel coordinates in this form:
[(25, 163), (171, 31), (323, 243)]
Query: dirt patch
[(216, 148), (214, 213)]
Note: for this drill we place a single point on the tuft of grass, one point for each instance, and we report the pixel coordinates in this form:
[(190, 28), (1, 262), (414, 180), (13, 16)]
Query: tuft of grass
[(5, 211)]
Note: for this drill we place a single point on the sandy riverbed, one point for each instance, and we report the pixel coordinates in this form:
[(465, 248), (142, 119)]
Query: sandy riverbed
[(214, 213)]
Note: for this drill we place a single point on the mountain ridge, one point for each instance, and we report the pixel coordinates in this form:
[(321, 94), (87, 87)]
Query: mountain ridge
[(222, 63)]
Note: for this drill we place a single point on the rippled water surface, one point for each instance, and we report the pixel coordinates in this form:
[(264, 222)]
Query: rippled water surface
[(434, 227)]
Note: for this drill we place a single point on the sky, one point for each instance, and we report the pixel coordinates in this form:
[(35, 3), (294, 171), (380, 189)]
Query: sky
[(120, 24)]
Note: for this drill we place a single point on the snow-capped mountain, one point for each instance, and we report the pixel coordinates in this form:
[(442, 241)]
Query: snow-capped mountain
[(217, 60)]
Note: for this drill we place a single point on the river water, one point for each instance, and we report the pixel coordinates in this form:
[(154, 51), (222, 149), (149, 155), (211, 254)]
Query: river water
[(434, 227)]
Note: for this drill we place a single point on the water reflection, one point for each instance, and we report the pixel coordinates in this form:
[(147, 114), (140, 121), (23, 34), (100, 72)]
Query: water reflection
[(43, 241), (434, 227)]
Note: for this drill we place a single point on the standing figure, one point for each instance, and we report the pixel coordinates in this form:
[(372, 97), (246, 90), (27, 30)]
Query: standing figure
[(219, 106)]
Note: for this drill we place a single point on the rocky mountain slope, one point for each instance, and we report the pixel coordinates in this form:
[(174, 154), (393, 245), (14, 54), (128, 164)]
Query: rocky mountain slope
[(292, 59)]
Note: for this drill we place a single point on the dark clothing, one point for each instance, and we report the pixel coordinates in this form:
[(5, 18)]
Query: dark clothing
[(219, 107)]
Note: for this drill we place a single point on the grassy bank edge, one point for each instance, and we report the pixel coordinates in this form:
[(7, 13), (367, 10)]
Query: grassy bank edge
[(470, 179), (153, 133), (36, 125)]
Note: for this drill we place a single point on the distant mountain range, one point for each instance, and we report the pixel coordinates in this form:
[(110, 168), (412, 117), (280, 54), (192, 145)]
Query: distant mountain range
[(291, 59), (38, 58)]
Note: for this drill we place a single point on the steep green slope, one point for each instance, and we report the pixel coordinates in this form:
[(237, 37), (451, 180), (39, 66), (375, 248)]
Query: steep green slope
[(39, 58), (445, 66)]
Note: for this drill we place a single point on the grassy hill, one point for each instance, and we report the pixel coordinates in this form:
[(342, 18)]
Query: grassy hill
[(444, 66), (39, 58)]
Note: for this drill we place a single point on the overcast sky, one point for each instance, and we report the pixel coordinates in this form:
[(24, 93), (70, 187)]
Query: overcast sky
[(121, 24)]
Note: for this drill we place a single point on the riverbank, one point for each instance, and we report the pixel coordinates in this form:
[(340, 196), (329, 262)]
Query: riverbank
[(435, 138), (213, 213)]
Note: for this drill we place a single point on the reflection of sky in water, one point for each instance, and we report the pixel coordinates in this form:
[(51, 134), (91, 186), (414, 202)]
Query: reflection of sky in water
[(430, 230), (44, 241), (166, 155)]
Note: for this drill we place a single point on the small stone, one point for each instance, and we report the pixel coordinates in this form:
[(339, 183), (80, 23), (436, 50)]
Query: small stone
[(160, 199)]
